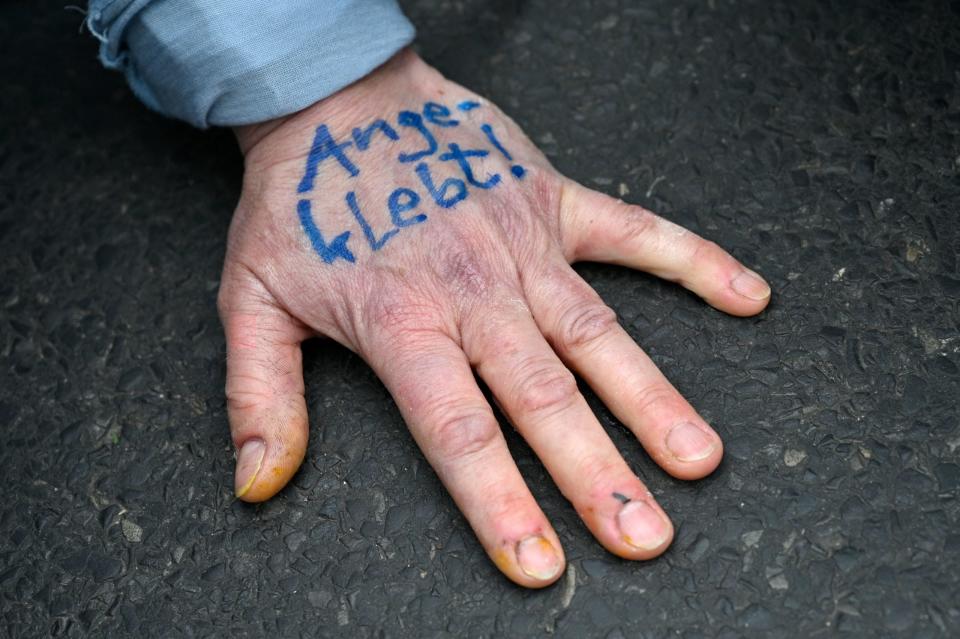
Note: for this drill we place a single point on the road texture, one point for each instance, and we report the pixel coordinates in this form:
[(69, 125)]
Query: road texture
[(818, 141)]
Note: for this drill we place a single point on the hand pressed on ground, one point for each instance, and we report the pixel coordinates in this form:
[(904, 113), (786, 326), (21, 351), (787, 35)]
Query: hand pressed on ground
[(414, 223)]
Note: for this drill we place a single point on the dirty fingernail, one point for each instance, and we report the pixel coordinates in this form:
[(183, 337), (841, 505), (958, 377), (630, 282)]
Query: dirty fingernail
[(248, 465), (641, 526), (537, 558), (750, 285), (688, 442)]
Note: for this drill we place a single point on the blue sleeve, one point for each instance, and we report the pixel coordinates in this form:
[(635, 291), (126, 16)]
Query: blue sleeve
[(231, 62)]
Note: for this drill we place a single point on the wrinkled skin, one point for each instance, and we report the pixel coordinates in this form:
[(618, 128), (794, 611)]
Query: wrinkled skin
[(483, 286)]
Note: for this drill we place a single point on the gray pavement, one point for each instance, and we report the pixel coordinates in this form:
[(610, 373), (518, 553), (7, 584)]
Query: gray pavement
[(817, 141)]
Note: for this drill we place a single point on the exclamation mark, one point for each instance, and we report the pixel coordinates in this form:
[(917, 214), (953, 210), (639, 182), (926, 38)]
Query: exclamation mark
[(517, 170)]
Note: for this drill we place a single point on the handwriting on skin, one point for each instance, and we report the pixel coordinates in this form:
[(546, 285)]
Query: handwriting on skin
[(412, 136)]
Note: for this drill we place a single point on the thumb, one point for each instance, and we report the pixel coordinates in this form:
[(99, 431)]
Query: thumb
[(265, 403)]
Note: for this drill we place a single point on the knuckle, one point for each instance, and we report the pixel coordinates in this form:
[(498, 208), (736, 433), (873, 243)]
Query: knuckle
[(583, 324), (704, 250), (246, 392), (544, 191), (635, 224), (258, 378), (399, 315), (459, 432), (538, 229), (652, 397), (545, 387), (512, 507), (638, 220), (466, 272), (597, 473)]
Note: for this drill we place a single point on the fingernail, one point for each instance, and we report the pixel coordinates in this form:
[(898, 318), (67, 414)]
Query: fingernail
[(688, 442), (750, 285), (538, 558), (641, 526), (248, 465)]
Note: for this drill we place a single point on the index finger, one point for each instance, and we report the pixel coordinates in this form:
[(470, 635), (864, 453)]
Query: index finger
[(599, 228)]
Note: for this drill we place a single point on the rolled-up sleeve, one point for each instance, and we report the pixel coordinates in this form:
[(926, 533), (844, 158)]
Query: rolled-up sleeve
[(232, 62)]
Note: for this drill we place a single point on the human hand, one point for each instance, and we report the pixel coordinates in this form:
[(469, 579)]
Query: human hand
[(414, 223)]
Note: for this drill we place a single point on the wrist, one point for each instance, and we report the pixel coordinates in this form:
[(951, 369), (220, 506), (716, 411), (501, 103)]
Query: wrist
[(404, 67)]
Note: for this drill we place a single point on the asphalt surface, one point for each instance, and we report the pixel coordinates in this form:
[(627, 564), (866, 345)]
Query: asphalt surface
[(817, 141)]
